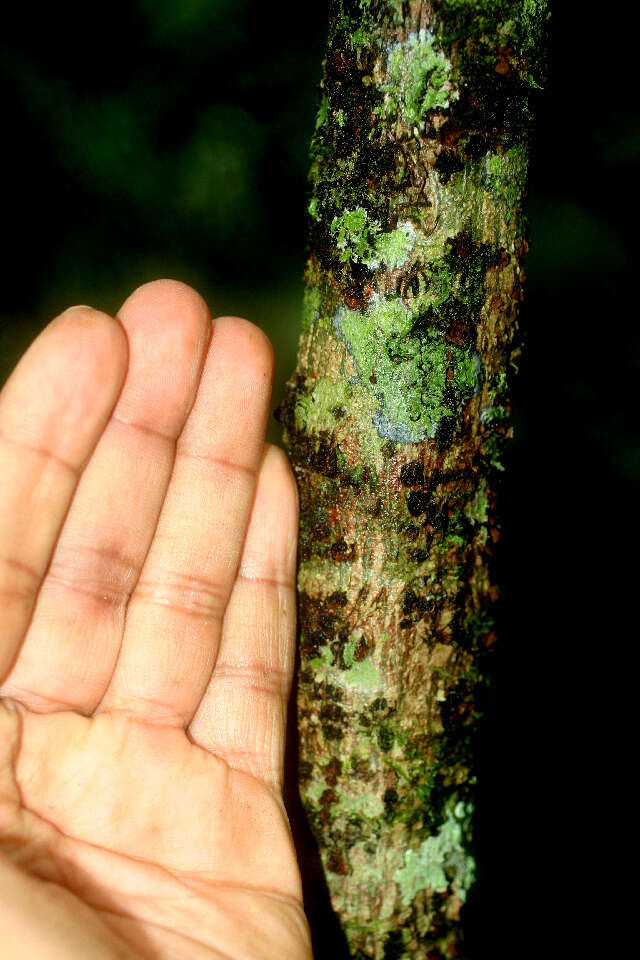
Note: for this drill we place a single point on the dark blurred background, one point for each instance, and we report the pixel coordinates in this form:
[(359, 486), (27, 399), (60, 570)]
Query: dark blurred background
[(164, 138)]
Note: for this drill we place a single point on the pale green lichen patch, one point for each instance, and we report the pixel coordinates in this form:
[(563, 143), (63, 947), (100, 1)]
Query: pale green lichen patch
[(359, 804), (362, 676), (394, 249), (323, 112), (478, 507), (504, 175), (354, 235), (417, 377), (323, 663), (314, 790), (315, 410), (326, 402), (311, 304), (358, 238), (418, 80), (441, 862)]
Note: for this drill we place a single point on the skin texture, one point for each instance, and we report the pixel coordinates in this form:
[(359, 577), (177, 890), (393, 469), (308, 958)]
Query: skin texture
[(147, 562)]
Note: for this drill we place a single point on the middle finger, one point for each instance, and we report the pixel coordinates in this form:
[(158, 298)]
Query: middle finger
[(175, 615)]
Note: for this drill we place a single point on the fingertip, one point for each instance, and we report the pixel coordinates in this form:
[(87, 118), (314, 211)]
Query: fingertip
[(66, 384), (247, 339), (272, 537), (93, 341), (279, 473), (168, 294)]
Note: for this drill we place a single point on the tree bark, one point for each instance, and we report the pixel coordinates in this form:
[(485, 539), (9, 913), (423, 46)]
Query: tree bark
[(396, 418)]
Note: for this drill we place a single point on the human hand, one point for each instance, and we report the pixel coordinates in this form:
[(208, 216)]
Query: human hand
[(147, 622)]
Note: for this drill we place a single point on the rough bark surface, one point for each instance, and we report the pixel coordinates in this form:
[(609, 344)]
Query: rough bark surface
[(395, 419)]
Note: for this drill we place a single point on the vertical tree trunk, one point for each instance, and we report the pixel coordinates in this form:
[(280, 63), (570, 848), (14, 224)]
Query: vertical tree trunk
[(396, 417)]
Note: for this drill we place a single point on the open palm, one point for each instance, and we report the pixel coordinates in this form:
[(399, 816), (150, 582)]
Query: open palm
[(147, 620)]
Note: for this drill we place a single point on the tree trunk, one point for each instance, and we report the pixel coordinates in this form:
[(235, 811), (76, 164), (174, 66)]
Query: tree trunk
[(396, 418)]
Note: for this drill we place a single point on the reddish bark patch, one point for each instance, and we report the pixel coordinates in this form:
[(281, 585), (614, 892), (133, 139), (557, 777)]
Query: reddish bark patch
[(337, 863)]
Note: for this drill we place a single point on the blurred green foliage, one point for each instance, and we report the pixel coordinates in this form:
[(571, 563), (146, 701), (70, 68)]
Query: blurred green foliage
[(159, 139)]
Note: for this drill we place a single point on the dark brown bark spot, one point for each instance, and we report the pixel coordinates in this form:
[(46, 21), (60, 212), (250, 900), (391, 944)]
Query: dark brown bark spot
[(384, 733), (332, 771), (390, 799), (336, 863), (448, 163), (342, 551), (331, 732), (412, 474), (332, 711), (418, 502), (362, 770), (337, 600), (305, 769), (363, 647), (327, 797), (502, 65)]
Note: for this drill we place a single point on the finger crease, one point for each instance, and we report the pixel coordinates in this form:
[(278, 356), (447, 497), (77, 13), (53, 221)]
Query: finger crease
[(18, 566), (24, 695), (98, 590), (262, 679), (144, 428), (268, 581), (187, 594), (111, 575), (128, 706), (42, 452), (241, 758), (231, 465)]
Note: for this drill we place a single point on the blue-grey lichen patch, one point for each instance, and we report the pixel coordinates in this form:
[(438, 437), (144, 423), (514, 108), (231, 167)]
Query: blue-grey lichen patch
[(418, 80), (417, 377), (441, 862)]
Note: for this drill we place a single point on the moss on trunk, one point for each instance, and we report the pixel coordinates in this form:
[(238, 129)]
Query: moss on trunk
[(396, 418)]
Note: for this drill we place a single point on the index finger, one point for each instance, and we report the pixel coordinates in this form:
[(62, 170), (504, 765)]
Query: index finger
[(53, 410)]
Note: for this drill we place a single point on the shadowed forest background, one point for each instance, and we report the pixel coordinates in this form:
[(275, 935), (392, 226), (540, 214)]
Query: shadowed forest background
[(163, 138)]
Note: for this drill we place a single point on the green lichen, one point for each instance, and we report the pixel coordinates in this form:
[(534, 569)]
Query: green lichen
[(519, 24), (320, 408), (348, 654), (533, 19), (359, 804), (363, 676), (314, 790), (418, 80), (478, 507), (321, 663), (354, 235), (416, 376), (358, 238), (505, 176), (393, 249), (441, 862), (311, 303), (323, 111), (315, 410)]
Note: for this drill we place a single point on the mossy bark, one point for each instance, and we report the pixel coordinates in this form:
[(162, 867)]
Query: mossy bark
[(395, 419)]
